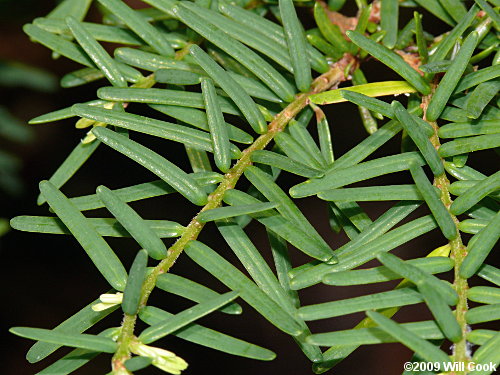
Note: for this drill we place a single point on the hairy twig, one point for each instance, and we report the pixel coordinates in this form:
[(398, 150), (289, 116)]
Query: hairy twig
[(458, 252), (333, 77)]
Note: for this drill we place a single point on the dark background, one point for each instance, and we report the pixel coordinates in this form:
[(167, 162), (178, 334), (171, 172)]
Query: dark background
[(46, 278)]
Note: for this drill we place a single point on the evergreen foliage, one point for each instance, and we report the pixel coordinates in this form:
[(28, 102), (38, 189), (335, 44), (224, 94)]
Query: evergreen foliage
[(207, 63)]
